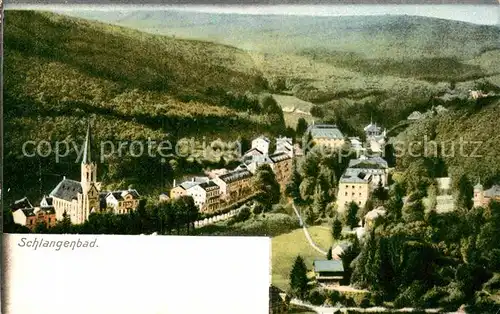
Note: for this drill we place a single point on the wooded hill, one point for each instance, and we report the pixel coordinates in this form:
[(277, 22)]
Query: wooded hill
[(61, 71)]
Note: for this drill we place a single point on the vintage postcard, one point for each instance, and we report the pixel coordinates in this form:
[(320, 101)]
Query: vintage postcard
[(361, 139)]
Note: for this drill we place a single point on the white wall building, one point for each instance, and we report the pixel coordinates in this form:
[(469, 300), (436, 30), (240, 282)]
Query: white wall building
[(262, 144)]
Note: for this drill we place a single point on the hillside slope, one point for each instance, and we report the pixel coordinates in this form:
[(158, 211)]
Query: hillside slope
[(61, 71), (467, 138)]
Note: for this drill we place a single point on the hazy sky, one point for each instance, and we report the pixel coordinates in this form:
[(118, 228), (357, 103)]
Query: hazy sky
[(478, 14)]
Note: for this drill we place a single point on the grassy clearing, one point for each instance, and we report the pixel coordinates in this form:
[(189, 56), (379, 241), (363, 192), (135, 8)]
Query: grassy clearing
[(286, 247)]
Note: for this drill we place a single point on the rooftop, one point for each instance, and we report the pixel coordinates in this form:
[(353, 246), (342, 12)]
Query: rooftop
[(328, 131), (328, 266), (188, 184), (368, 162), (208, 185), (354, 176), (235, 175), (492, 192), (280, 156), (22, 203), (67, 190), (262, 137)]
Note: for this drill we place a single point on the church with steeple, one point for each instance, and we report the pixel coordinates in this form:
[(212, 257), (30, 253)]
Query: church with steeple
[(78, 198)]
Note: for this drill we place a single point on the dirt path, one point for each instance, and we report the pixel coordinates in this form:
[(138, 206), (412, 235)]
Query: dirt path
[(306, 232)]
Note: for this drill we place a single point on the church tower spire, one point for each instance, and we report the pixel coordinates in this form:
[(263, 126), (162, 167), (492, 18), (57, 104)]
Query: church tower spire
[(87, 147), (88, 167), (88, 200)]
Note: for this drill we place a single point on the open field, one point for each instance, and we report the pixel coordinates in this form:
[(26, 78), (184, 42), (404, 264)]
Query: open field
[(286, 247)]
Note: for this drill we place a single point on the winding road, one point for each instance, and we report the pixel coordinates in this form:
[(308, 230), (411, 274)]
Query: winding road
[(306, 232)]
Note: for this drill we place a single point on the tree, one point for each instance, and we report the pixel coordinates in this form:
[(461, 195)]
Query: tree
[(41, 227), (301, 127), (465, 193), (293, 187), (348, 257), (266, 186), (337, 229), (319, 202), (298, 278), (64, 225), (414, 211), (350, 215), (380, 193), (311, 216)]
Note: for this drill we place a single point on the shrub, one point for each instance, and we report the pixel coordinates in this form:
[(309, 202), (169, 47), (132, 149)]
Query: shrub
[(316, 297), (243, 214)]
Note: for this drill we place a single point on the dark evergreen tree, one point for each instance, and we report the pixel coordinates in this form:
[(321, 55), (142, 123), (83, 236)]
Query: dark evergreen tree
[(301, 127), (329, 254), (266, 186), (337, 229), (298, 278), (465, 193), (350, 215)]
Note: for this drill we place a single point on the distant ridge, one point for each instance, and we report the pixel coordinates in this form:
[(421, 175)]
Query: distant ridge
[(394, 36)]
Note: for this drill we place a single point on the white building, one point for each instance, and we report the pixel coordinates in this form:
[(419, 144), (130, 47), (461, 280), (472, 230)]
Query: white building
[(205, 195), (377, 167), (122, 201), (262, 144), (284, 145)]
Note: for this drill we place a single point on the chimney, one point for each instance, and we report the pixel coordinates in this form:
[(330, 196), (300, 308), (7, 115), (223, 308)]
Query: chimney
[(192, 180), (64, 177)]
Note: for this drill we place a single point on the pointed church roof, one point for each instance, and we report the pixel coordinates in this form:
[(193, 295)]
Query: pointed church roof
[(87, 147)]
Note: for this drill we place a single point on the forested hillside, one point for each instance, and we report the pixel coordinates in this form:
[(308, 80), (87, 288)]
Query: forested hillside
[(61, 71)]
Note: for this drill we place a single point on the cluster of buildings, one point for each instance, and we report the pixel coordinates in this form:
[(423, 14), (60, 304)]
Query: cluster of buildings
[(364, 174), (222, 187), (329, 135), (76, 199)]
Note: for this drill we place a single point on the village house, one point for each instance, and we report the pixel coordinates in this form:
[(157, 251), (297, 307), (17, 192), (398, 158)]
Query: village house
[(326, 135), (445, 200), (122, 202), (262, 144), (234, 185), (45, 215), (357, 145), (206, 196), (79, 198), (375, 138), (284, 145), (376, 166), (354, 186), (251, 154), (483, 197), (25, 217), (214, 173), (282, 165), (181, 189), (329, 272)]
